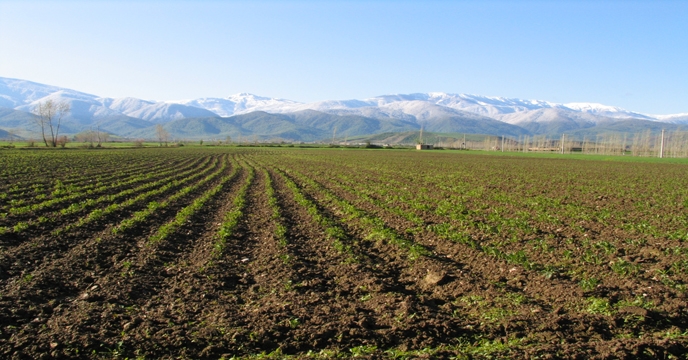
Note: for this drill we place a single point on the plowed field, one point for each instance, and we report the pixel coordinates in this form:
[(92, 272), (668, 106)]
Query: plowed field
[(275, 253)]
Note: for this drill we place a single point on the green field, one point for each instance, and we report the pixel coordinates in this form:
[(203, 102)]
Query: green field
[(288, 252)]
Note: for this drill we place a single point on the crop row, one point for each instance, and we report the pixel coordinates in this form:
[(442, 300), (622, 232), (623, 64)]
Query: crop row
[(375, 228), (323, 253), (231, 218), (184, 214), (334, 232), (155, 206), (499, 227), (74, 192), (39, 195), (74, 169), (157, 187)]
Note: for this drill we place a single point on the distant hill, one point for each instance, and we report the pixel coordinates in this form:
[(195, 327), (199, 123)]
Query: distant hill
[(19, 123), (258, 125), (629, 127), (121, 125), (349, 125), (24, 124), (248, 115), (306, 125), (552, 121), (412, 138), (474, 126), (311, 125), (10, 118), (5, 135)]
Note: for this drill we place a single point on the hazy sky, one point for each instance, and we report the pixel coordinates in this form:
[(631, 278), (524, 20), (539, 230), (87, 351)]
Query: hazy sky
[(632, 54)]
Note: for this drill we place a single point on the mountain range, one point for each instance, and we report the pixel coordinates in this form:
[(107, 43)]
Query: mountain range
[(254, 117)]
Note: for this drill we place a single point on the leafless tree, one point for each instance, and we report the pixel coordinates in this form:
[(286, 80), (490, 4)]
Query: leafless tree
[(92, 136), (49, 117), (163, 135), (86, 136), (101, 136), (62, 141)]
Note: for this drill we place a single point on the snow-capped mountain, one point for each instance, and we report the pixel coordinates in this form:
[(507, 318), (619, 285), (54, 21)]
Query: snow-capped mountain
[(391, 106), (16, 92), (605, 110), (484, 105), (164, 112), (86, 108), (241, 104), (494, 107), (417, 110), (547, 115), (673, 119), (126, 105)]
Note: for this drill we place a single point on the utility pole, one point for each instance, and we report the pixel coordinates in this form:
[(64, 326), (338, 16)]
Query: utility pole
[(661, 146), (562, 144), (334, 133), (502, 143)]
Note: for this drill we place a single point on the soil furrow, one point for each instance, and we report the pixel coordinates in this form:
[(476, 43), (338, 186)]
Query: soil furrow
[(56, 219), (18, 261), (329, 253), (87, 184), (130, 289), (99, 260), (379, 290)]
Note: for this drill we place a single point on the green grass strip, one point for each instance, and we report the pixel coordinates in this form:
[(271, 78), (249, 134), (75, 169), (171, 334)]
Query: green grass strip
[(375, 227), (142, 215), (280, 229), (99, 213), (231, 219), (184, 214), (333, 232), (75, 192)]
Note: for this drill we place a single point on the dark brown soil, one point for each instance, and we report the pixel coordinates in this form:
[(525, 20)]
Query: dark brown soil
[(502, 276)]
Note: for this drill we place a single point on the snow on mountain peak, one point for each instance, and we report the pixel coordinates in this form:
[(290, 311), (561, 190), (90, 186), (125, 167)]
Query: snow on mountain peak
[(605, 110), (238, 104), (662, 117), (16, 92), (592, 107), (23, 95)]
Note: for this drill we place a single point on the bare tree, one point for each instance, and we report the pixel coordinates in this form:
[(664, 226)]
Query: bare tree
[(50, 114), (101, 136), (62, 141), (85, 136), (92, 136), (163, 135)]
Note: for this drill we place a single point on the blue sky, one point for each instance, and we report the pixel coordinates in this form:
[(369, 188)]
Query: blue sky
[(632, 54)]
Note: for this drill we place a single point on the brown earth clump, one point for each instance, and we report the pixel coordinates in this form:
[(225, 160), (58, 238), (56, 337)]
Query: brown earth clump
[(231, 252)]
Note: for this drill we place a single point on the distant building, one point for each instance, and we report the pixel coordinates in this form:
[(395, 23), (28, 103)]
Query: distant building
[(424, 147)]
